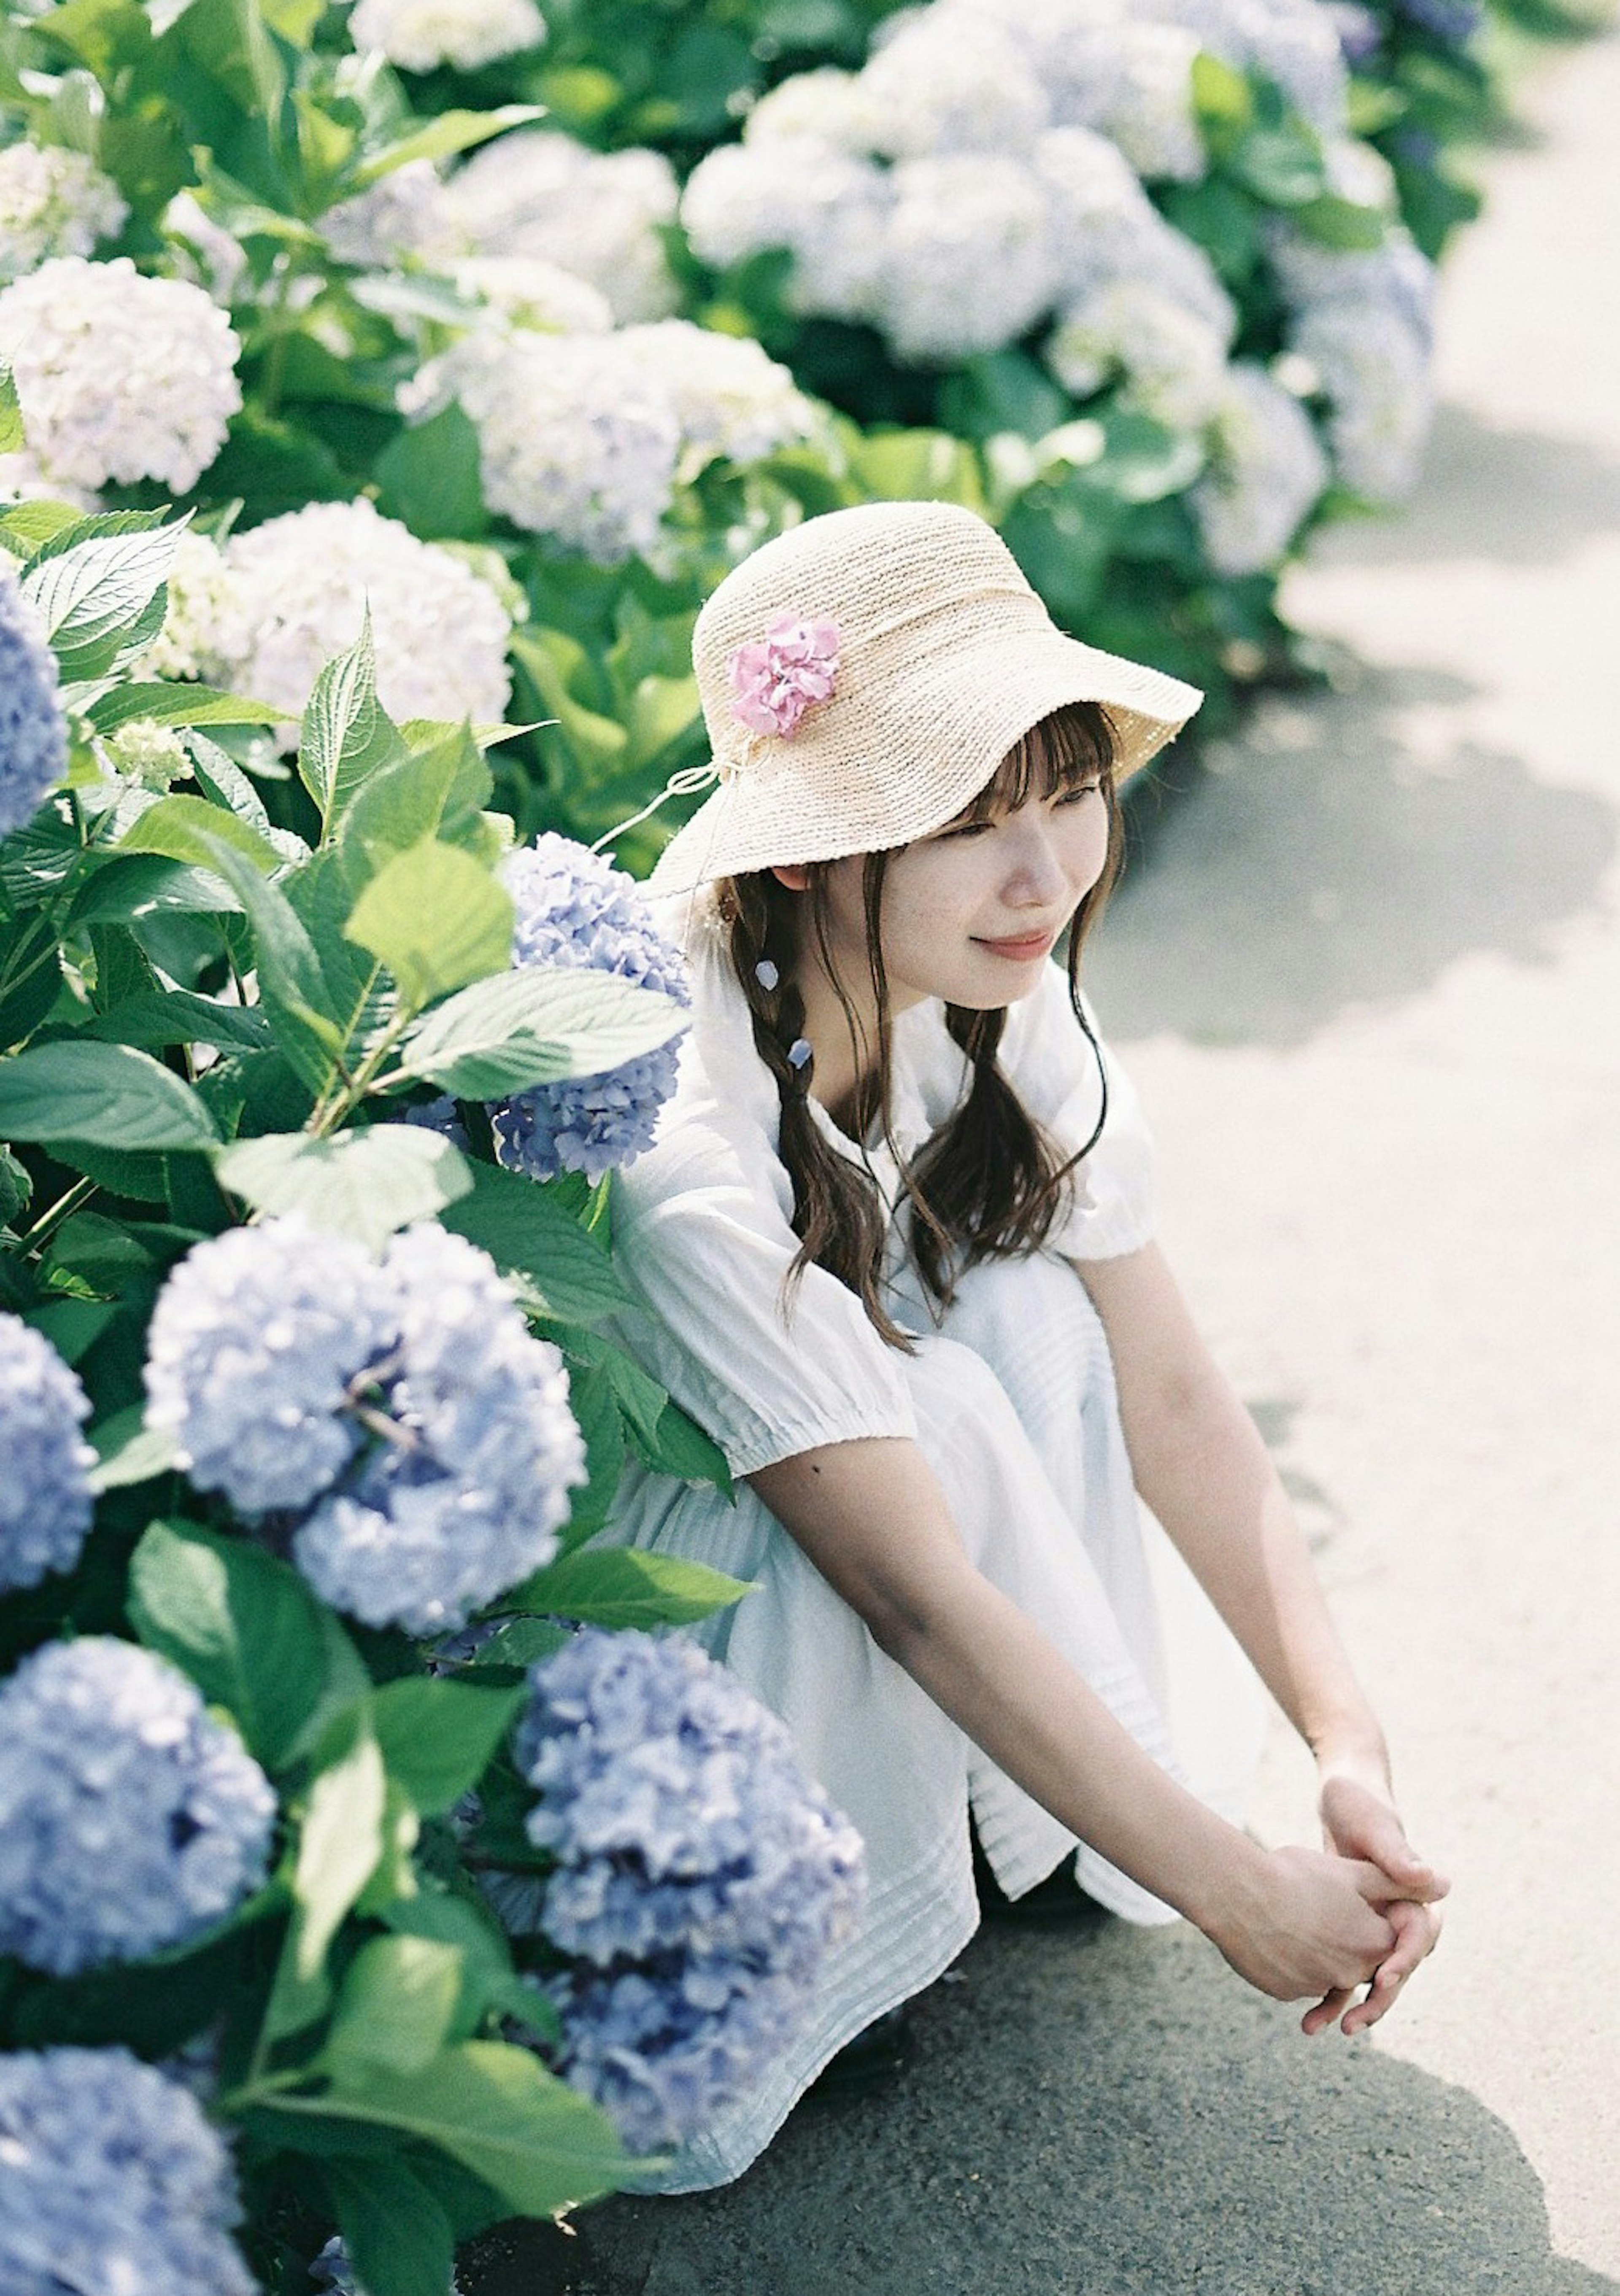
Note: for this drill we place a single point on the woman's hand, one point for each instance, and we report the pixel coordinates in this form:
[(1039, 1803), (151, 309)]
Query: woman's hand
[(1359, 1820), (1304, 1924)]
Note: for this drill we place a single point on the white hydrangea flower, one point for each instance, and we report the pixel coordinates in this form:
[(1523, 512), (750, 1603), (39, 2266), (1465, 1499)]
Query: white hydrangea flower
[(204, 629), (299, 586), (577, 438), (597, 213), (1267, 469), (827, 208), (421, 34), (52, 202), (526, 291), (827, 105), (966, 259), (731, 398), (1358, 172), (119, 377), (1396, 276), (946, 84), (1173, 362), (408, 211), (1103, 227), (1374, 372), (1150, 113), (142, 750), (22, 479), (1293, 42), (203, 251)]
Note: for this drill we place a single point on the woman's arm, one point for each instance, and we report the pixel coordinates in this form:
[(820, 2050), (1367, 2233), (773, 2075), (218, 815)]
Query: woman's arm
[(872, 1517), (1201, 1466)]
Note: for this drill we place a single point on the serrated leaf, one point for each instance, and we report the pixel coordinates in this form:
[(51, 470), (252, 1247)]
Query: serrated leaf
[(437, 1736), (179, 1016), (438, 138), (628, 1586), (399, 1997), (534, 1025), (436, 919), (291, 987), (339, 1846), (106, 1095), (169, 704), (97, 598), (345, 734), (366, 1183), (11, 411), (188, 828), (528, 1233)]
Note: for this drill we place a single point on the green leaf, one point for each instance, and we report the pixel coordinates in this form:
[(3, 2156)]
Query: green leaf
[(666, 1438), (145, 885), (130, 1451), (399, 2238), (394, 2009), (498, 2110), (428, 476), (596, 1410), (291, 987), (179, 705), (229, 40), (437, 1736), (345, 734), (244, 1627), (366, 1183), (101, 596), (628, 1586), (521, 1642), (11, 411), (339, 1847), (188, 828), (527, 1233), (179, 1016), (436, 919), (535, 1024), (1338, 223), (410, 799), (553, 662), (438, 138), (106, 1095), (72, 1326), (920, 466)]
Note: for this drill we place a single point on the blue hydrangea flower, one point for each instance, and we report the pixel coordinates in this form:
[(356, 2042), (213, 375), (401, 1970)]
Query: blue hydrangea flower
[(574, 909), (33, 730), (114, 2182), (44, 1498), (254, 1343), (129, 1819), (462, 1492), (701, 1876)]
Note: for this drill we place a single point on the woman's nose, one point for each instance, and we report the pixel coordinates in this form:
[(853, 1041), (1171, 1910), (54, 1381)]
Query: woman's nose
[(1035, 877)]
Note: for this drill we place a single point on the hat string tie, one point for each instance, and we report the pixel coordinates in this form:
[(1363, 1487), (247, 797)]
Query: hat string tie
[(686, 783)]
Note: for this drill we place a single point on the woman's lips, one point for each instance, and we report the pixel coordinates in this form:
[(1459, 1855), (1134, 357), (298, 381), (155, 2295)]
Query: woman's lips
[(1022, 948)]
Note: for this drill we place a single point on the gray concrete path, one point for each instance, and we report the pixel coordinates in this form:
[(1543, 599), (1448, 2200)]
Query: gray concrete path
[(1369, 981)]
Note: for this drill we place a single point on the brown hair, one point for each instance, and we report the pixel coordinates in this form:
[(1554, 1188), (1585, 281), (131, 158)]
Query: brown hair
[(988, 1184)]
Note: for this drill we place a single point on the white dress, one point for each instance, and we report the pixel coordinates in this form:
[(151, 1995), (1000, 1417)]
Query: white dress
[(1012, 1401)]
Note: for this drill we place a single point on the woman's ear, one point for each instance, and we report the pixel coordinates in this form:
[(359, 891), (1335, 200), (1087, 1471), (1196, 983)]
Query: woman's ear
[(794, 875)]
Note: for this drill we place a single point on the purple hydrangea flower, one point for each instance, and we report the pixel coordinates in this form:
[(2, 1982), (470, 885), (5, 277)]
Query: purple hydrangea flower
[(45, 1504), (33, 730), (129, 1819), (114, 2181), (701, 1876), (463, 1493), (254, 1343), (575, 908)]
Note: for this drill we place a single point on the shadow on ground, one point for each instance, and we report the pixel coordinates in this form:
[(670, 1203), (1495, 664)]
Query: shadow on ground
[(1343, 858), (1095, 2112), (1516, 497)]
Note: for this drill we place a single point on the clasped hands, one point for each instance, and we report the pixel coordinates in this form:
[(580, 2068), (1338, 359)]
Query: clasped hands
[(1359, 1820)]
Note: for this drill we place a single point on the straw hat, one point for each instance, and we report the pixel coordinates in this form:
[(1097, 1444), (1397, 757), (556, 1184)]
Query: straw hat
[(863, 675)]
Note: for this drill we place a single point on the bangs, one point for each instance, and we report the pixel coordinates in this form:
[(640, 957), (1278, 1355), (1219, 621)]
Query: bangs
[(1073, 745)]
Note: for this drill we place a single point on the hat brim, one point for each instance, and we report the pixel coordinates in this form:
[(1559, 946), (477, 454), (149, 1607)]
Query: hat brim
[(974, 704)]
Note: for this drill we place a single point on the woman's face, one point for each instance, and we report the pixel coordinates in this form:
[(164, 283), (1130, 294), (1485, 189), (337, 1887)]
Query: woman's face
[(970, 913)]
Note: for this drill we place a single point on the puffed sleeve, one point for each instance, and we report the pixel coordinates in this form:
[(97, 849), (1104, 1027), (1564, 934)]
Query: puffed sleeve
[(1055, 1070), (702, 1231)]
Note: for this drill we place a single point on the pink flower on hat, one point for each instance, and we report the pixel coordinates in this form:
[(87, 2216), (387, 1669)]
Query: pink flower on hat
[(780, 677)]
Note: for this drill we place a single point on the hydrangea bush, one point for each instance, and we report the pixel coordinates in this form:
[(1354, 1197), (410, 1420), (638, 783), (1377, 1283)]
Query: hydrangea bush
[(311, 1406)]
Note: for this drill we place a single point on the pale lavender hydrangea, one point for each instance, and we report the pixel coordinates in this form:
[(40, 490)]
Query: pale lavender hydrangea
[(254, 1346), (575, 908), (129, 1819), (463, 1493), (115, 2182), (397, 1419), (701, 1877), (44, 1499), (33, 730)]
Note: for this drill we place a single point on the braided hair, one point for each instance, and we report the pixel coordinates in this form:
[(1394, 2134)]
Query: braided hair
[(988, 1184)]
